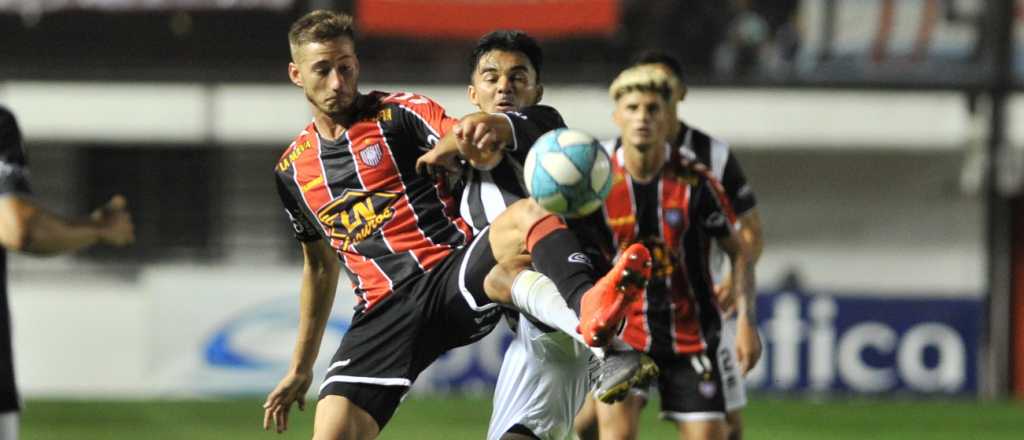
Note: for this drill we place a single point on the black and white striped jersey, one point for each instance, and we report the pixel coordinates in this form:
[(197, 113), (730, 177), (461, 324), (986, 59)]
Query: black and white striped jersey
[(488, 193), (725, 167)]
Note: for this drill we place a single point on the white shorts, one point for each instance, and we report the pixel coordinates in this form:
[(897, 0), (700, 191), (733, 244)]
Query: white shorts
[(542, 384), (734, 387)]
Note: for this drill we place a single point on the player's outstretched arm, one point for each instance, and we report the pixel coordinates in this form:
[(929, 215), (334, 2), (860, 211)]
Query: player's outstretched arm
[(481, 138), (319, 283), (748, 341), (27, 227)]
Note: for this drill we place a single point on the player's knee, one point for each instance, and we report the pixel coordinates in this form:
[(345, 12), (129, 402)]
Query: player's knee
[(497, 286), (498, 282), (338, 418)]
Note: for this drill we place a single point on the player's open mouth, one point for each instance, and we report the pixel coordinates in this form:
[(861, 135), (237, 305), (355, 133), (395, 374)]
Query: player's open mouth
[(505, 106)]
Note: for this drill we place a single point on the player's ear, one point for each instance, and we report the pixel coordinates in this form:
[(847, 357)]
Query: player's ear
[(540, 93), (472, 95), (293, 74), (617, 115)]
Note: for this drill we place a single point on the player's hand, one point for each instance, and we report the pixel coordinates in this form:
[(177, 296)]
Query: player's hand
[(115, 222), (291, 389), (748, 343), (479, 141)]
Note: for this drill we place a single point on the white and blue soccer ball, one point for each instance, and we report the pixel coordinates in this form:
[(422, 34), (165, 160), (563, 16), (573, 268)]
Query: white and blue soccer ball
[(568, 173)]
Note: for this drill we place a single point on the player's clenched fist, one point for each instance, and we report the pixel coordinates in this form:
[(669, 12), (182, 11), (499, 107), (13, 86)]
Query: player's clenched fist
[(115, 222)]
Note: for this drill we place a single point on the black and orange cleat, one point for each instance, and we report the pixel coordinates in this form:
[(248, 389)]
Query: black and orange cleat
[(603, 307)]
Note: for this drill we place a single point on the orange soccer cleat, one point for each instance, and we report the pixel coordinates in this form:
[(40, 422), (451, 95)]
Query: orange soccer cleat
[(603, 307)]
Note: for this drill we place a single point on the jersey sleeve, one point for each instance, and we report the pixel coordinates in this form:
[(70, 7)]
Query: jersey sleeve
[(736, 186), (530, 123), (13, 166), (423, 120), (715, 212), (303, 229)]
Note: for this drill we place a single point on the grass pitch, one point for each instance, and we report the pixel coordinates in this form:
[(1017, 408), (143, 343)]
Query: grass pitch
[(466, 418)]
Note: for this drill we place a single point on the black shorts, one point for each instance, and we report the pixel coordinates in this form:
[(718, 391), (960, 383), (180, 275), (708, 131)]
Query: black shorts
[(691, 387), (387, 347)]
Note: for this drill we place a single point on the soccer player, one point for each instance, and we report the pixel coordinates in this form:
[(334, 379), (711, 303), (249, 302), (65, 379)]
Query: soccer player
[(27, 227), (725, 167), (350, 186), (544, 376), (663, 197)]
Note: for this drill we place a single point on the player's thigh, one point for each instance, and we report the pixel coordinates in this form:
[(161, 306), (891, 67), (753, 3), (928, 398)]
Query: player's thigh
[(702, 430), (509, 230), (620, 421), (585, 423), (338, 418)]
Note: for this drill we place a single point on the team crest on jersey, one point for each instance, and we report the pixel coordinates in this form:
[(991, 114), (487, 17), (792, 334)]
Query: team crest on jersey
[(674, 217), (371, 155), (357, 214)]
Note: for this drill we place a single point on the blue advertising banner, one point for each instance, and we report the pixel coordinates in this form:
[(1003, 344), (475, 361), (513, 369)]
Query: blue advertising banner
[(812, 343), (868, 344)]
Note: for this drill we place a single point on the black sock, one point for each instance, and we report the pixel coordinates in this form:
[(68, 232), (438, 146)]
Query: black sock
[(559, 256)]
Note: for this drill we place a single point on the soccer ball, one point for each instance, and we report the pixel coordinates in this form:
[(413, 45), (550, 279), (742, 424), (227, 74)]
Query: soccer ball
[(568, 173)]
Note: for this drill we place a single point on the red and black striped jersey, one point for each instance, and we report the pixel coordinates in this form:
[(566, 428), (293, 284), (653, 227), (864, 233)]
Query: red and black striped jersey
[(361, 192), (677, 215)]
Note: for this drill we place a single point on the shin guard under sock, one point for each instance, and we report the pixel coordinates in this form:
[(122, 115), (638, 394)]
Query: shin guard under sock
[(557, 253)]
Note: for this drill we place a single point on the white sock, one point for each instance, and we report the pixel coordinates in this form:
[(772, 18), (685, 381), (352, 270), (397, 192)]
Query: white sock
[(9, 425), (536, 295)]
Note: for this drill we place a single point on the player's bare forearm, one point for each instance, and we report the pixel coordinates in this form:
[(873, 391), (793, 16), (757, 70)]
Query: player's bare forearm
[(741, 283), (27, 227), (319, 283), (744, 287), (752, 233)]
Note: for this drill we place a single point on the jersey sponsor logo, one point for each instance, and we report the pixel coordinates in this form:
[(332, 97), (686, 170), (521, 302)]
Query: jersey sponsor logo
[(293, 155), (384, 115), (357, 214), (664, 258), (371, 155)]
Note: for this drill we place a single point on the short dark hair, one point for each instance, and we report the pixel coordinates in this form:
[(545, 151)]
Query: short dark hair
[(321, 25), (10, 136), (660, 57), (508, 41)]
